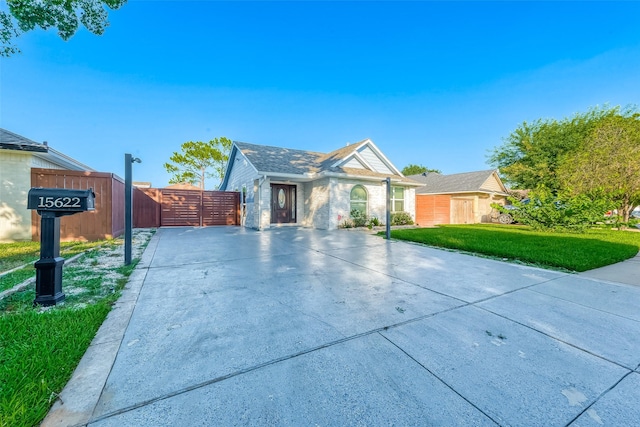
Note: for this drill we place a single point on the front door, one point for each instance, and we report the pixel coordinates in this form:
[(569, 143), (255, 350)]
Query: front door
[(283, 204)]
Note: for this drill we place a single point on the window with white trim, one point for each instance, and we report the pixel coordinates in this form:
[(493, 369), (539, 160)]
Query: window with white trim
[(397, 199), (359, 199)]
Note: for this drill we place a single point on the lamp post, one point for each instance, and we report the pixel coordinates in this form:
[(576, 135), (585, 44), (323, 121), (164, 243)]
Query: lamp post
[(388, 221), (128, 203)]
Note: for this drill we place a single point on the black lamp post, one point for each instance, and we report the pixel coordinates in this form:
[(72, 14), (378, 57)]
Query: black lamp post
[(128, 203), (388, 221)]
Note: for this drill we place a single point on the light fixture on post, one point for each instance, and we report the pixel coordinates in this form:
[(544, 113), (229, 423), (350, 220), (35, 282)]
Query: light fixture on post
[(388, 221), (128, 203)]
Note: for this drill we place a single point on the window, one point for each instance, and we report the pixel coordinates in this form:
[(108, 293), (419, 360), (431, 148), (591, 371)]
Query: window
[(397, 199), (359, 199)]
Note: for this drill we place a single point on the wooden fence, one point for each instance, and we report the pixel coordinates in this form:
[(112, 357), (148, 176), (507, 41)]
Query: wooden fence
[(105, 222), (152, 207)]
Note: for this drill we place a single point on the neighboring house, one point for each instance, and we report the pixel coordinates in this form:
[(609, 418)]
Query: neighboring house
[(17, 156), (286, 186), (462, 198)]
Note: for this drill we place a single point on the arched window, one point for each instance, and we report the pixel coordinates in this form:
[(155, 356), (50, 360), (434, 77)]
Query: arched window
[(358, 199)]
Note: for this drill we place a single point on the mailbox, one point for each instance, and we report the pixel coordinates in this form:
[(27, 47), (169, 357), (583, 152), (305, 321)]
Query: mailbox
[(51, 204), (62, 201)]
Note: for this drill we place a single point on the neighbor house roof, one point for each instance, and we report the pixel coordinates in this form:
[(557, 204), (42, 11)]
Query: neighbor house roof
[(308, 165), (468, 182), (13, 141)]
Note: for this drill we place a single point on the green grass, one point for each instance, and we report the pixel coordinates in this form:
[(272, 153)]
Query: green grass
[(39, 351), (41, 347), (10, 280), (570, 251), (14, 255)]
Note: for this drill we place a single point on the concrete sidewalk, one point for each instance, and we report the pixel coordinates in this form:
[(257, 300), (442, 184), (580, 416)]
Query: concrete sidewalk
[(227, 326)]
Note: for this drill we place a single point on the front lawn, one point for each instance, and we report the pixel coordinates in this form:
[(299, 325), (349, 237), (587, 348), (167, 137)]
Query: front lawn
[(570, 251), (41, 346)]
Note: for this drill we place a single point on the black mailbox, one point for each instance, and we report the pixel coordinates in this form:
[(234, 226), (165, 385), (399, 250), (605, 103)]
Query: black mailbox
[(63, 201), (51, 204)]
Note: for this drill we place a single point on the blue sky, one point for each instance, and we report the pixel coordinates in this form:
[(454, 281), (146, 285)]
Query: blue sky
[(433, 83)]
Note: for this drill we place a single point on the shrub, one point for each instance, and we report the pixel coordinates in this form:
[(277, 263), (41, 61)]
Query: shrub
[(347, 223), (401, 218), (373, 222), (562, 213), (359, 218)]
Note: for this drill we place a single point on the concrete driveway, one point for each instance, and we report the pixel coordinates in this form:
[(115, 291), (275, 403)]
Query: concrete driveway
[(227, 326)]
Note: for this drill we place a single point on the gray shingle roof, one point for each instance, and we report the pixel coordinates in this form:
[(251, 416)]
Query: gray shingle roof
[(455, 183), (268, 159), (12, 141), (277, 159)]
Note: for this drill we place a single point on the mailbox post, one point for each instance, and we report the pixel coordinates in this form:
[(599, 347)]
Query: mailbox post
[(51, 204)]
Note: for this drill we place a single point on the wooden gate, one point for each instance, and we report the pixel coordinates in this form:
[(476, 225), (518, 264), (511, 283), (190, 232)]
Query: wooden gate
[(462, 210), (199, 208)]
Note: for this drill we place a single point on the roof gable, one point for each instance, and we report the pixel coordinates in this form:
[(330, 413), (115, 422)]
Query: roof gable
[(349, 160), (367, 154)]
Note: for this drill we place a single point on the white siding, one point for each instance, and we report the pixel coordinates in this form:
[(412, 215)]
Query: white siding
[(492, 184), (242, 174), (372, 158), (354, 163), (37, 162), (15, 182)]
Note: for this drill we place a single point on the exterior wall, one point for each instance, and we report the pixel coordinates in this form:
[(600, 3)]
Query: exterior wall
[(484, 206), (263, 208), (433, 209), (15, 182), (376, 200), (492, 184), (316, 204), (243, 175)]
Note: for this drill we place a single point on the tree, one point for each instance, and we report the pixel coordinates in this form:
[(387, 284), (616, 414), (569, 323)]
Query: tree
[(608, 164), (412, 169), (192, 165), (531, 155), (65, 15)]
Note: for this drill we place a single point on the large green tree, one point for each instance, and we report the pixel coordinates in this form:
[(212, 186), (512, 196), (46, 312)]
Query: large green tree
[(531, 155), (608, 163), (199, 160), (412, 169), (64, 15)]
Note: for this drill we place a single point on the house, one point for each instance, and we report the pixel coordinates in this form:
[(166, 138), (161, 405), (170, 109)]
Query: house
[(318, 190), (17, 156), (462, 198)]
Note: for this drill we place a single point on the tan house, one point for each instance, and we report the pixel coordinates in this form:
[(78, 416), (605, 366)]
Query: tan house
[(17, 156), (463, 198), (283, 186)]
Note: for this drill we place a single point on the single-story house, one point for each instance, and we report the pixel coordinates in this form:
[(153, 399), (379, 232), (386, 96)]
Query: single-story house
[(462, 198), (311, 189), (17, 156)]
